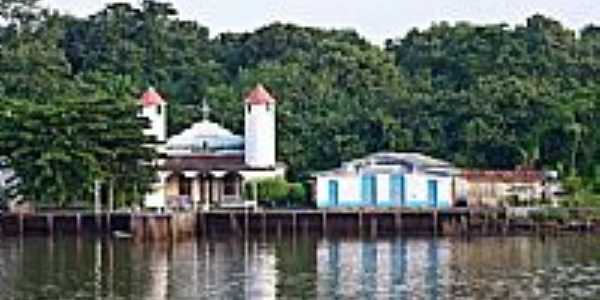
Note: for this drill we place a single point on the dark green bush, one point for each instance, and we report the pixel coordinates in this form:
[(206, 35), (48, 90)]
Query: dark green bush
[(296, 193), (276, 190)]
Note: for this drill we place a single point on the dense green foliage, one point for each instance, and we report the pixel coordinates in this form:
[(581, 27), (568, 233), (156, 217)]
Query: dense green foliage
[(488, 96), (60, 131)]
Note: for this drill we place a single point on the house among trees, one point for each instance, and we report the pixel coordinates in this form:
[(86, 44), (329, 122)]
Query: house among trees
[(207, 165), (510, 187), (388, 180)]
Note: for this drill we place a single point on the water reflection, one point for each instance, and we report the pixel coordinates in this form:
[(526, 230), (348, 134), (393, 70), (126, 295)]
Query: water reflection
[(301, 268), (383, 269)]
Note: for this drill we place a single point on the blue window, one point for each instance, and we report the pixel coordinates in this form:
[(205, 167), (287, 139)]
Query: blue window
[(333, 193), (432, 193), (369, 189), (398, 189)]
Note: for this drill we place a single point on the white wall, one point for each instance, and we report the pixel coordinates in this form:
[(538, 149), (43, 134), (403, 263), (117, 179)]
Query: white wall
[(417, 188), (383, 187), (348, 189), (155, 199), (158, 122), (350, 194), (260, 135), (262, 174)]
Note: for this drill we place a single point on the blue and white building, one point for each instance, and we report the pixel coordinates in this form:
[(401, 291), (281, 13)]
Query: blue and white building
[(388, 180)]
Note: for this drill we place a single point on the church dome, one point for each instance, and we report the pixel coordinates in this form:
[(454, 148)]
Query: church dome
[(205, 138)]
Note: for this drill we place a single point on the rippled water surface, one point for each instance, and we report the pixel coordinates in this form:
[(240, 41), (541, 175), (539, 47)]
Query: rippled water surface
[(302, 268)]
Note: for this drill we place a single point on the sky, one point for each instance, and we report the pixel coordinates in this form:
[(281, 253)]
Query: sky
[(376, 20)]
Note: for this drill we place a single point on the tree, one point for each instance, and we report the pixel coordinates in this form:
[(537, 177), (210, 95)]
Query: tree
[(482, 96), (57, 150)]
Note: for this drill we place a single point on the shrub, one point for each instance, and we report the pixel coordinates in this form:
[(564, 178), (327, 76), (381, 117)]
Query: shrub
[(273, 189), (297, 193), (276, 191), (269, 189), (573, 184)]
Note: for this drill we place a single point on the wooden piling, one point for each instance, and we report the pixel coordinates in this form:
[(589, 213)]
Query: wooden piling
[(279, 229), (435, 221), (246, 222), (50, 223), (294, 223), (324, 222), (495, 222), (98, 221), (21, 224), (485, 224), (109, 221), (204, 224), (264, 223), (78, 224), (360, 223), (506, 222), (234, 226), (305, 227), (172, 224), (374, 225), (398, 221)]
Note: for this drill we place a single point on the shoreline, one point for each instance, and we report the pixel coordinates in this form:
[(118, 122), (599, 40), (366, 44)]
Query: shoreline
[(362, 223)]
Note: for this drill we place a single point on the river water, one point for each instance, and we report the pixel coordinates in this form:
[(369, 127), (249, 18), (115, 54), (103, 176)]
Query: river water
[(301, 268)]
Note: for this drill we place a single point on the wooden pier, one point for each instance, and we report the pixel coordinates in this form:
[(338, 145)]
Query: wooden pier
[(361, 223), (347, 222), (140, 227)]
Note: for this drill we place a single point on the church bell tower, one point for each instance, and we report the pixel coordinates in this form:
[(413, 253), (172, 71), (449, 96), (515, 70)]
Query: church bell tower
[(154, 107), (259, 140)]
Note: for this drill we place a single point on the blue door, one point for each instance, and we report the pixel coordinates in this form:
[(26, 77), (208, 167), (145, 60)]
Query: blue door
[(432, 193), (398, 189), (333, 193), (369, 189)]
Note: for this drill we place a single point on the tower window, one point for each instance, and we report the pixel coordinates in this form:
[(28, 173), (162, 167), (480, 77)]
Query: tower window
[(268, 106), (249, 108), (159, 109)]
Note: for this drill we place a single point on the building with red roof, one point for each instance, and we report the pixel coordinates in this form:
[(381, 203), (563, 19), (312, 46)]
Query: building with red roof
[(207, 165), (507, 187)]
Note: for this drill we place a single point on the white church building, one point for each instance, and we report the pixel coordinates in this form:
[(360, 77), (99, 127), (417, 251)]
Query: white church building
[(207, 165)]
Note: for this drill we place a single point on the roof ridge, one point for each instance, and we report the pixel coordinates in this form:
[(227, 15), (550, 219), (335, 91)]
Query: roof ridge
[(259, 95)]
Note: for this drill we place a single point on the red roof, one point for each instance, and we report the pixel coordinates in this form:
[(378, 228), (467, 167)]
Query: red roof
[(259, 95), (523, 176), (151, 98)]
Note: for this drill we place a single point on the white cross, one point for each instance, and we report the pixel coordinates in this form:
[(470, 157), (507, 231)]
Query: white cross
[(205, 110)]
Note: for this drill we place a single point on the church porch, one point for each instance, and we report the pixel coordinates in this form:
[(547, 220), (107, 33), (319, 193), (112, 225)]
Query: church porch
[(193, 190)]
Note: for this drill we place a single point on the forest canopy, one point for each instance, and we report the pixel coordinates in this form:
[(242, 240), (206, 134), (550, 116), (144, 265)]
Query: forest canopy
[(481, 96)]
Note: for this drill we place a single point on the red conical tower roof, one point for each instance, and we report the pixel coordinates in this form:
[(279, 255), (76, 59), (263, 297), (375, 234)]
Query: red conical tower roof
[(151, 97), (259, 95)]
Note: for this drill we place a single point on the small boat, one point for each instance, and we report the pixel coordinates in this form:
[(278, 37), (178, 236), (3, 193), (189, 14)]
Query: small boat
[(119, 234)]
